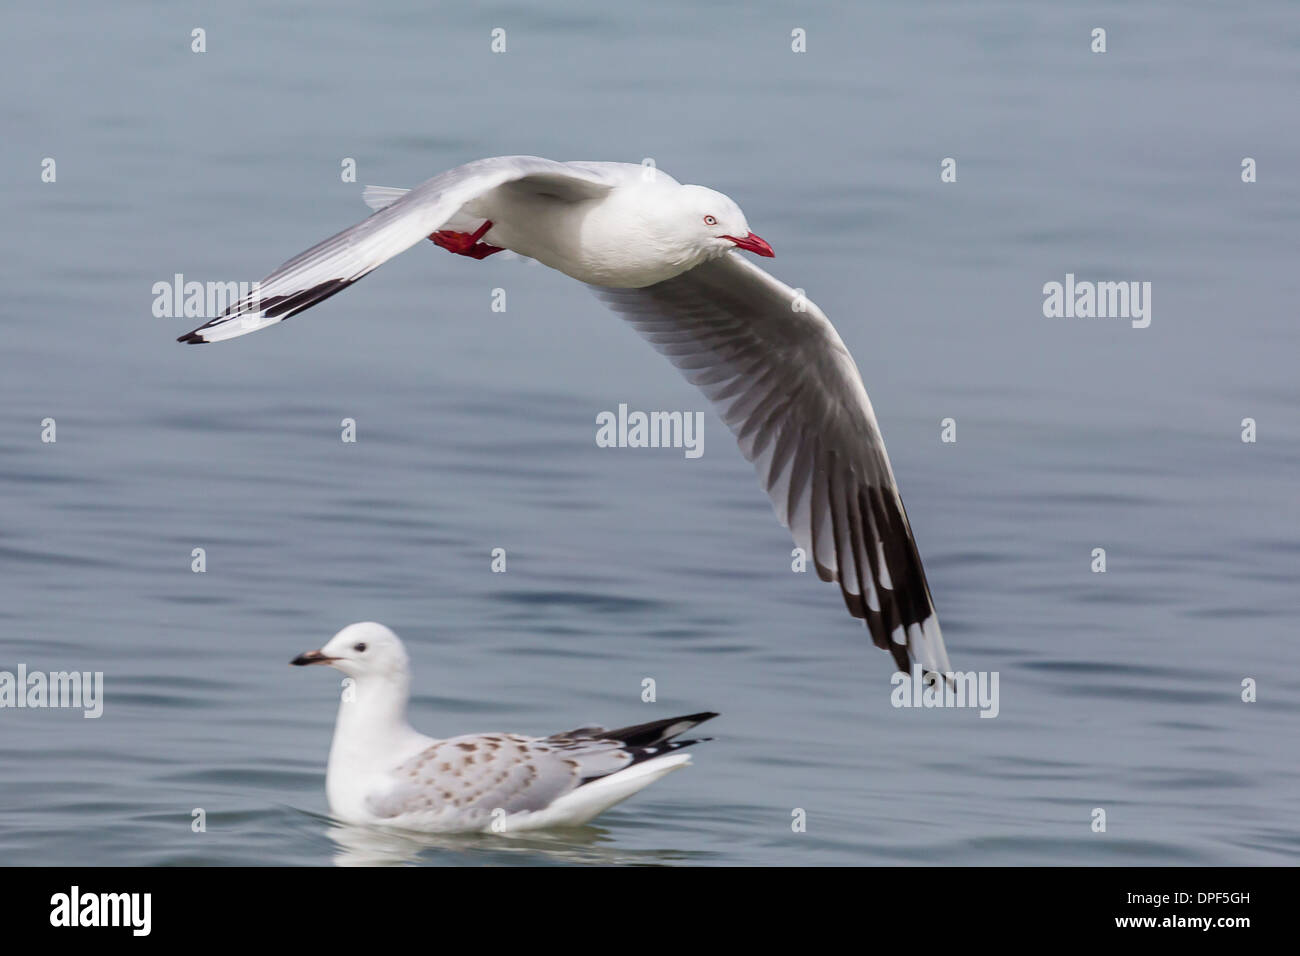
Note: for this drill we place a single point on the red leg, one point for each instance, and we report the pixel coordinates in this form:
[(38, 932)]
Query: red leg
[(466, 243)]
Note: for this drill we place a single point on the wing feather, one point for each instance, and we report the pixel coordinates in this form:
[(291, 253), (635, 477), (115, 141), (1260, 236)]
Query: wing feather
[(404, 219), (782, 380), (471, 776)]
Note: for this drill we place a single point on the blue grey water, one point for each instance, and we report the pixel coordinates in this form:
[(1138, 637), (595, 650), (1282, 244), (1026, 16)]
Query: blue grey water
[(1119, 691)]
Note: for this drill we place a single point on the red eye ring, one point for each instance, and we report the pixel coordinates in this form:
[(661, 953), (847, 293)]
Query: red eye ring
[(710, 221)]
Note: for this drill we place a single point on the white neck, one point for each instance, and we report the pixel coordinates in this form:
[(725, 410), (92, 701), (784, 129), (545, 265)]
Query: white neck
[(371, 735)]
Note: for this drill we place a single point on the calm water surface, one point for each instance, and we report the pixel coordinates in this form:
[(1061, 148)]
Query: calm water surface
[(476, 428)]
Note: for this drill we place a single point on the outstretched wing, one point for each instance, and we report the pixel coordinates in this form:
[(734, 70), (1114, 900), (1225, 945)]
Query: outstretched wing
[(331, 266), (781, 378)]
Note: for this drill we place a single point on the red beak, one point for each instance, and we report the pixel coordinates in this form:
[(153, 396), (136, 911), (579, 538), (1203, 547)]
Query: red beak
[(754, 244)]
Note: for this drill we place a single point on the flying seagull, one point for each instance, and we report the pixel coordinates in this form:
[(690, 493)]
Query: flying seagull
[(383, 771), (664, 255)]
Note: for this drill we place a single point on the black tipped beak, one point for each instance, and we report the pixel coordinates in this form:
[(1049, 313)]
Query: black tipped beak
[(311, 657)]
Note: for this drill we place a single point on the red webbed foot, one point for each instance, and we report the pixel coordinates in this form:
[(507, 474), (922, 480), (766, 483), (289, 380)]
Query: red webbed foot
[(466, 243)]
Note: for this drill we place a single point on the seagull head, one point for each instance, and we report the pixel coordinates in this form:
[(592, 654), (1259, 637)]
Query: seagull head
[(361, 650), (715, 224)]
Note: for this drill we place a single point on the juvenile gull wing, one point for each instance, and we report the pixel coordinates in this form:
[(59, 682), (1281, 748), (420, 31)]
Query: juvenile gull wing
[(331, 266), (484, 772), (781, 378), (478, 773)]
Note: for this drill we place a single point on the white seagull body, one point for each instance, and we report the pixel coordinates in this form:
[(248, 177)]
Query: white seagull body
[(384, 772), (664, 256)]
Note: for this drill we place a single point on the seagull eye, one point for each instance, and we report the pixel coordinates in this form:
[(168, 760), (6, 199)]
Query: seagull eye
[(359, 648), (710, 221)]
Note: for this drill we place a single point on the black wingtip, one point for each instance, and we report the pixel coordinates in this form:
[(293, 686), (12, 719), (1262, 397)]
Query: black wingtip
[(192, 338), (657, 731)]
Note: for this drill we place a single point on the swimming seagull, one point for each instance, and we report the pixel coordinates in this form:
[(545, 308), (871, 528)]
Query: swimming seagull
[(383, 771), (664, 255)]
